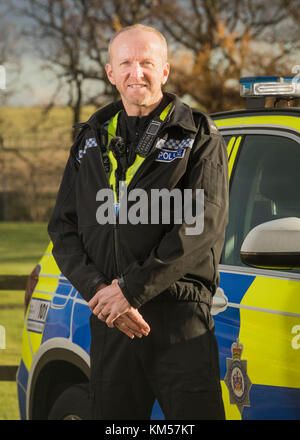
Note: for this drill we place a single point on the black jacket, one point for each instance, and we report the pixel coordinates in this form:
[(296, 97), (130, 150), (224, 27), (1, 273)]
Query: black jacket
[(156, 261)]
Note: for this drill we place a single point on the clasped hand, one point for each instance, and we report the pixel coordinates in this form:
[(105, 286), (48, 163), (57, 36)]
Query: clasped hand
[(111, 307)]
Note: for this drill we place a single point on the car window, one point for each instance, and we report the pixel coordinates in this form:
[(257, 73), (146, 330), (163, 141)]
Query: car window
[(227, 139), (265, 186)]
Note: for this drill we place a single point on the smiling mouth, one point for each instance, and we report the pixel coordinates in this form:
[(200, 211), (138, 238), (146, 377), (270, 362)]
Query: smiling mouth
[(137, 86)]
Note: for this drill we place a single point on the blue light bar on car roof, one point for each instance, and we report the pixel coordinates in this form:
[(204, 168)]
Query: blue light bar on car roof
[(263, 86)]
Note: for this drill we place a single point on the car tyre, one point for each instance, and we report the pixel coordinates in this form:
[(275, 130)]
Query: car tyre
[(72, 404)]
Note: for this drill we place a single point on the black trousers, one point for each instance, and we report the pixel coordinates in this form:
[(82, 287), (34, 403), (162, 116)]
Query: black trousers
[(177, 363)]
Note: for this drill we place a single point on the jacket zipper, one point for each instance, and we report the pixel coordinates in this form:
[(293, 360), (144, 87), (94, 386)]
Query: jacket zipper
[(116, 225), (116, 247), (116, 230)]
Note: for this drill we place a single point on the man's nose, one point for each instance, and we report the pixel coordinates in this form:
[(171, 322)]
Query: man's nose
[(136, 71)]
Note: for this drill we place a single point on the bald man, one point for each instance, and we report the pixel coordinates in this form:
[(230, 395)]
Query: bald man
[(149, 284)]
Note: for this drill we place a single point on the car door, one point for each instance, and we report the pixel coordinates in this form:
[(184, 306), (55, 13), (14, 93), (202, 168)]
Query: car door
[(258, 330)]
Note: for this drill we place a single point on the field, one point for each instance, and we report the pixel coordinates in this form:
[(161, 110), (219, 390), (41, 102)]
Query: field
[(34, 148), (30, 122), (21, 246)]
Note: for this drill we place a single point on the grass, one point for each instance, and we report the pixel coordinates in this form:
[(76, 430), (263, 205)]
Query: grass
[(8, 401), (11, 317), (21, 247)]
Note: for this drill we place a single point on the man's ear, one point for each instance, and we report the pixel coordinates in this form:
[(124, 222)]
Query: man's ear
[(166, 71), (109, 73)]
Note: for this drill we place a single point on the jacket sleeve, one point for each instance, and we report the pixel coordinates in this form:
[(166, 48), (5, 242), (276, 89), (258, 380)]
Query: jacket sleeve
[(178, 253), (68, 250)]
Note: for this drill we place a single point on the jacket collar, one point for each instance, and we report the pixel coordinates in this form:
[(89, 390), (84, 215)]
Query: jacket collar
[(105, 114), (181, 114)]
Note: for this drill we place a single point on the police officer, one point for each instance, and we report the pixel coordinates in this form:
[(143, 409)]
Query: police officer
[(149, 285)]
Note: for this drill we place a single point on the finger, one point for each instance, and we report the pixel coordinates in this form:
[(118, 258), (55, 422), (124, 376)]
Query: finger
[(124, 329), (132, 325), (126, 323), (93, 302), (103, 313), (111, 318), (102, 317), (113, 313), (98, 308), (137, 318)]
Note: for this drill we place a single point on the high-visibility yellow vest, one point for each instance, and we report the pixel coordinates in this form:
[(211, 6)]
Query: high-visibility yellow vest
[(130, 172)]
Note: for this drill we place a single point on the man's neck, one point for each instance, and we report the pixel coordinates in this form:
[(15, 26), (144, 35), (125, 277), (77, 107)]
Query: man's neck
[(141, 110)]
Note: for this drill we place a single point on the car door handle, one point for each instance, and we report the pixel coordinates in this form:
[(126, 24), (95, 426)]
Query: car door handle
[(219, 302)]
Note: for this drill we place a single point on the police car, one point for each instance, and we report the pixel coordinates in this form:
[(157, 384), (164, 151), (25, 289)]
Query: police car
[(257, 305)]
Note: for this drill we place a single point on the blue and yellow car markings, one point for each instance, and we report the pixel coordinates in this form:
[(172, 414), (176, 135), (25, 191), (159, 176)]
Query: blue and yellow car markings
[(279, 298), (235, 287), (264, 306), (61, 321), (256, 308), (50, 287)]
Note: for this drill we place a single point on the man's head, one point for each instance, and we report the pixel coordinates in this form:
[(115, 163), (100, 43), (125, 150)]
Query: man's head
[(138, 67)]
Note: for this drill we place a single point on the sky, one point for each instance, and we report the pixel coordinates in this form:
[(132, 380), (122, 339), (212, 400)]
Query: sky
[(27, 83), (30, 86)]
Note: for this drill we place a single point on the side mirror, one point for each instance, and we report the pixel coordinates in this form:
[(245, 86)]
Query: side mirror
[(273, 245)]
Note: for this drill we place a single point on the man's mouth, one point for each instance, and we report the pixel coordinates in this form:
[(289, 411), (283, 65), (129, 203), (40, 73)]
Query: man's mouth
[(137, 86)]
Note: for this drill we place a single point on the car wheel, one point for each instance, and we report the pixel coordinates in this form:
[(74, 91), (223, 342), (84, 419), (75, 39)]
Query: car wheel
[(72, 404)]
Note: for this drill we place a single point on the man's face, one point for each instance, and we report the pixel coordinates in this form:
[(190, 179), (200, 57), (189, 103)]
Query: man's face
[(138, 69)]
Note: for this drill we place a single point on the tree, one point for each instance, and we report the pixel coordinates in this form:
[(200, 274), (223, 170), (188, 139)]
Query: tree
[(10, 67), (9, 70), (215, 42), (212, 44), (72, 37)]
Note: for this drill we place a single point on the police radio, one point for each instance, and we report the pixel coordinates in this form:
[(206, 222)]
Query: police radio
[(147, 140)]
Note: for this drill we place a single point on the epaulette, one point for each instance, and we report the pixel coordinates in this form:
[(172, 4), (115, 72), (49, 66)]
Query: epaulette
[(78, 148), (202, 118), (96, 124)]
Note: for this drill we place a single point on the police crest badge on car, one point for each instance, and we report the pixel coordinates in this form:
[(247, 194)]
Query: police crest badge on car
[(236, 379)]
